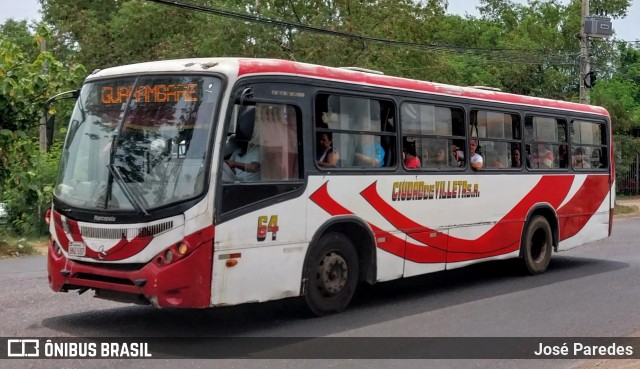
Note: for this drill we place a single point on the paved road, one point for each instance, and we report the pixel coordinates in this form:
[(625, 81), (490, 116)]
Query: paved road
[(588, 291)]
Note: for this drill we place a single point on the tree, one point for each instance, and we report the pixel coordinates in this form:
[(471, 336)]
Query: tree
[(26, 176), (620, 94)]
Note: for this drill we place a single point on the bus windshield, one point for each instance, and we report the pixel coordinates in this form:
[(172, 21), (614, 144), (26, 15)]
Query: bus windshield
[(138, 143)]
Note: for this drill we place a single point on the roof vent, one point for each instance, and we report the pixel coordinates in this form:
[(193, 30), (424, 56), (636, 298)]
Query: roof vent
[(364, 70)]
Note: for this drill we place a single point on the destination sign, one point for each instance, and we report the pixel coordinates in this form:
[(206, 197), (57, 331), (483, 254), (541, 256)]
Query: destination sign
[(159, 93)]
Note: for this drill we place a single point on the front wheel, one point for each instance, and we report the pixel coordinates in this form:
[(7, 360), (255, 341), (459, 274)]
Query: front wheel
[(537, 247), (331, 274)]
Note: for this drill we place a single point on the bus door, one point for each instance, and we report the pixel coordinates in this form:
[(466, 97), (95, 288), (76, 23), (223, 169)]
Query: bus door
[(261, 222)]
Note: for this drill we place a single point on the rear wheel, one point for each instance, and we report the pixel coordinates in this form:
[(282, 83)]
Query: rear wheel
[(331, 274), (538, 244)]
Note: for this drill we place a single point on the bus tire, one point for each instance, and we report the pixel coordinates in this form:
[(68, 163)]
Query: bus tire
[(537, 245), (331, 274)]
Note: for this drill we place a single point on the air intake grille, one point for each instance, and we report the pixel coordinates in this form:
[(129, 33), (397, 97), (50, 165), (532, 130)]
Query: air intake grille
[(118, 233)]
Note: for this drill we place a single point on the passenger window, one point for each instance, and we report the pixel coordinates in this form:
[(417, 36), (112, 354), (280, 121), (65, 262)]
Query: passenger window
[(546, 143), (432, 136), (495, 140), (588, 145), (361, 132)]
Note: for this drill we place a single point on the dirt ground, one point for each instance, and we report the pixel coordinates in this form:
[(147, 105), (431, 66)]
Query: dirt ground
[(630, 201)]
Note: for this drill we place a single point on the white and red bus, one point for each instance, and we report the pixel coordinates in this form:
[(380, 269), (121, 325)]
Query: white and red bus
[(207, 182)]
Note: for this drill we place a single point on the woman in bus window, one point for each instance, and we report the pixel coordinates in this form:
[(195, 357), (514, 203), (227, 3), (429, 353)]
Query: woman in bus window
[(327, 157), (516, 159)]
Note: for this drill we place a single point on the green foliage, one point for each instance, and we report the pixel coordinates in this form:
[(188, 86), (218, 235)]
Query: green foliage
[(26, 174), (620, 94)]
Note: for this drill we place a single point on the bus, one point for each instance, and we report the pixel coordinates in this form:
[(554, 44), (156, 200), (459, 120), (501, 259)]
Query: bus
[(198, 183)]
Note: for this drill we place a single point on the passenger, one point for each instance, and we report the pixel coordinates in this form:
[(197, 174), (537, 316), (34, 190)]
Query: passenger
[(440, 159), (458, 155), (579, 159), (410, 159), (493, 160), (327, 157), (370, 154), (516, 159), (543, 158), (476, 159)]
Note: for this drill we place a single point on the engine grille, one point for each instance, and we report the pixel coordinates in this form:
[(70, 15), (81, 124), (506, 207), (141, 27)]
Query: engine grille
[(118, 233)]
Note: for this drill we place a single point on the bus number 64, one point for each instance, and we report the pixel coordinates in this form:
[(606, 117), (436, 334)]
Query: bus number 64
[(266, 225)]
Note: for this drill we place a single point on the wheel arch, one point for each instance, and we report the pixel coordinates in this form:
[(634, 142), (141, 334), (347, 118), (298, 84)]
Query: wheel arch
[(548, 212), (362, 237)]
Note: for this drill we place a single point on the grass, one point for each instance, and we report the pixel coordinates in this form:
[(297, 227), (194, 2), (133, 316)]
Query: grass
[(626, 205), (13, 246), (625, 209)]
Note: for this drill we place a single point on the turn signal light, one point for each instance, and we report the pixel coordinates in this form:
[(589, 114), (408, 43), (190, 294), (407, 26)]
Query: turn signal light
[(183, 248), (231, 263)]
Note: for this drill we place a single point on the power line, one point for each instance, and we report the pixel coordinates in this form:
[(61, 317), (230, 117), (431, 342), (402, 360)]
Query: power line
[(514, 55)]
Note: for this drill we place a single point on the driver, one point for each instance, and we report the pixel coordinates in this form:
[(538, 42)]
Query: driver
[(245, 162)]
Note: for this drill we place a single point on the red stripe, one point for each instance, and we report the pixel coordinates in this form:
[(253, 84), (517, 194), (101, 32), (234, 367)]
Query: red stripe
[(576, 212), (502, 238), (261, 66), (122, 250)]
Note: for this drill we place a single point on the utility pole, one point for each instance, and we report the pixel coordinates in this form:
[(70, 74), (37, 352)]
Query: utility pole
[(585, 66), (43, 120)]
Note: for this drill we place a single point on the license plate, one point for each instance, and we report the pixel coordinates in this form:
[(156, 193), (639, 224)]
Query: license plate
[(77, 249)]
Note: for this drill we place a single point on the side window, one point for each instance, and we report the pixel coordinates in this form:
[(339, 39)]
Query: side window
[(354, 132), (432, 136), (546, 142), (588, 145), (495, 140), (260, 154)]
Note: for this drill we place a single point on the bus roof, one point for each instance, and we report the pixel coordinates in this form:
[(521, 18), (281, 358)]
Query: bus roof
[(242, 67)]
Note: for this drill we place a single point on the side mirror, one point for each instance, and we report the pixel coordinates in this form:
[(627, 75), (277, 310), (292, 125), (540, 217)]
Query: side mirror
[(51, 121)]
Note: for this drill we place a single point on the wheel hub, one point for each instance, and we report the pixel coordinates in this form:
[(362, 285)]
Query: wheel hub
[(332, 274)]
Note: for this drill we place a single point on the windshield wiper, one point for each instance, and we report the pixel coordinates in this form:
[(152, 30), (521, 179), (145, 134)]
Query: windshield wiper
[(115, 173)]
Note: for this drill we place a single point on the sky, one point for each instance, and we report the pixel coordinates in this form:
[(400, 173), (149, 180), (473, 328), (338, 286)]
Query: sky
[(626, 29)]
